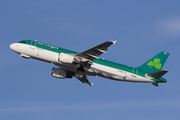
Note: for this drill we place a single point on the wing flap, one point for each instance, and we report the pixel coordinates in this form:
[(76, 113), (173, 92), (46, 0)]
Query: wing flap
[(82, 77), (93, 53)]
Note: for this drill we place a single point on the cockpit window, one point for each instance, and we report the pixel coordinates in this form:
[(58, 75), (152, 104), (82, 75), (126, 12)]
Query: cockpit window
[(22, 41)]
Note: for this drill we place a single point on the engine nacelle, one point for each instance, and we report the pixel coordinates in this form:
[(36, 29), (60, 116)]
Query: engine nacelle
[(60, 73), (66, 58)]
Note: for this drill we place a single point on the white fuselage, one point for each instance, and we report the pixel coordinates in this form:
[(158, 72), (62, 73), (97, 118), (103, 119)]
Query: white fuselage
[(95, 70)]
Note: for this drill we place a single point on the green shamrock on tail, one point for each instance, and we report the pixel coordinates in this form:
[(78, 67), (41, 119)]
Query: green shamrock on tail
[(156, 63)]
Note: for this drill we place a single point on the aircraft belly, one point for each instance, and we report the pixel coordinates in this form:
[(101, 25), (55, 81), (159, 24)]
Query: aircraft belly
[(116, 74), (107, 72), (69, 67)]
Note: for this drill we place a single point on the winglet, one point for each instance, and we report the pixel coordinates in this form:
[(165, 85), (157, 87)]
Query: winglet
[(92, 84), (114, 42)]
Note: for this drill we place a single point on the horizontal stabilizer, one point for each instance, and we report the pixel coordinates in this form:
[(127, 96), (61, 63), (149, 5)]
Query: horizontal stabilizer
[(155, 84), (158, 74)]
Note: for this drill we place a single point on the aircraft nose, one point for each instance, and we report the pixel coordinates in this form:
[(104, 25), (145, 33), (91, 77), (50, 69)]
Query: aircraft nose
[(12, 46)]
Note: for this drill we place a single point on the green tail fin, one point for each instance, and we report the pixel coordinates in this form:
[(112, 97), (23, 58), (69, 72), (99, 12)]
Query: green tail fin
[(155, 64)]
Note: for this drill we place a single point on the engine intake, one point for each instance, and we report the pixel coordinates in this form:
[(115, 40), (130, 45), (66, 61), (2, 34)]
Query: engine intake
[(60, 73)]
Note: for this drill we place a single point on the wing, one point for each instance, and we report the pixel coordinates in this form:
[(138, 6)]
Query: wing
[(86, 57)]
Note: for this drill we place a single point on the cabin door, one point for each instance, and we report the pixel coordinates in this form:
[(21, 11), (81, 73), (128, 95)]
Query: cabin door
[(33, 44), (134, 72)]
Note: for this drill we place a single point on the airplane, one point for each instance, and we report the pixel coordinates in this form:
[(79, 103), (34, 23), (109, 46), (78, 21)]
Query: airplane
[(79, 65)]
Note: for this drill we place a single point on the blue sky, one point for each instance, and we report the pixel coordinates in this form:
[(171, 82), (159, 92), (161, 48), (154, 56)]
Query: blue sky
[(142, 28)]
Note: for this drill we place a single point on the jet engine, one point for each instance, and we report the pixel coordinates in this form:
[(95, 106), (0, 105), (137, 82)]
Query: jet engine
[(60, 73), (66, 58)]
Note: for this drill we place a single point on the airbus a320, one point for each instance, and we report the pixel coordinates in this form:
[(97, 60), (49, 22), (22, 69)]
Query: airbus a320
[(79, 65)]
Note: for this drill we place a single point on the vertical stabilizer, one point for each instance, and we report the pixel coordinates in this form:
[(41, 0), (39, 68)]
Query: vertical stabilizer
[(155, 64)]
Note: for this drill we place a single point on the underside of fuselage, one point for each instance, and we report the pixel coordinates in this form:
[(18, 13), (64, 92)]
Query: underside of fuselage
[(95, 71)]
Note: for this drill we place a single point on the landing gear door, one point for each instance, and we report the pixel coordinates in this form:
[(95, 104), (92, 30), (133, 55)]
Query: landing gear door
[(33, 44)]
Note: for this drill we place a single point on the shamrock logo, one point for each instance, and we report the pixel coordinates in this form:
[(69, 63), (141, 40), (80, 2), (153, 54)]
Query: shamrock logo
[(156, 63)]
